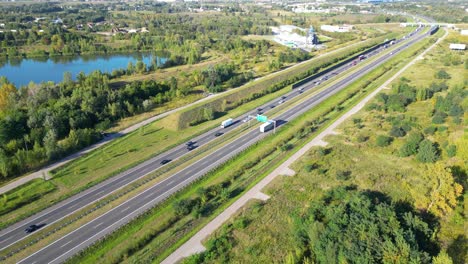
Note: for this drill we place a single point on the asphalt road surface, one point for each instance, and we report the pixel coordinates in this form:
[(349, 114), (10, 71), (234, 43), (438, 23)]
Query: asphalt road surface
[(73, 242)]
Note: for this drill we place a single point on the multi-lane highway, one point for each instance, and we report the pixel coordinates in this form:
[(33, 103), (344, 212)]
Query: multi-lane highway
[(89, 233), (16, 233)]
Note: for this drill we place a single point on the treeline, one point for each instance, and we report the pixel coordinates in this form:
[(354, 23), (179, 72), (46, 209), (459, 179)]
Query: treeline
[(185, 36), (41, 123)]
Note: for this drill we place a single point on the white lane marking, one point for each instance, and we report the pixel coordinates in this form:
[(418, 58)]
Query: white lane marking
[(99, 193), (170, 182), (125, 209), (75, 205), (66, 243), (98, 224)]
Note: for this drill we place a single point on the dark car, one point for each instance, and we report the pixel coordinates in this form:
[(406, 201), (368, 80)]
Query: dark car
[(189, 143), (272, 106), (259, 109), (218, 134), (164, 161), (190, 147), (32, 228)]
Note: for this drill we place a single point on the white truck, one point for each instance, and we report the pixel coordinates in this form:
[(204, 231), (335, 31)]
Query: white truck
[(266, 126), (226, 123)]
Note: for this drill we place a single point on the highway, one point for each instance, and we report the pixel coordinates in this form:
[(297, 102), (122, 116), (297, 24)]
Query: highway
[(59, 211), (68, 245)]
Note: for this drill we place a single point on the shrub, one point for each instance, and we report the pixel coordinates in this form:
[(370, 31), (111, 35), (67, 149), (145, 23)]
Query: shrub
[(383, 141), (310, 167), (442, 74), (451, 151), (397, 132), (182, 207), (362, 138), (439, 118), (430, 130), (343, 175)]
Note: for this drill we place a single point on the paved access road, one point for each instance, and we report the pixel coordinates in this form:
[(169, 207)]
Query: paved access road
[(87, 234), (16, 233)]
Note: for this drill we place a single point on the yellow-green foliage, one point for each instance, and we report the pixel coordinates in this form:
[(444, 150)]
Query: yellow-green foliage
[(250, 91)]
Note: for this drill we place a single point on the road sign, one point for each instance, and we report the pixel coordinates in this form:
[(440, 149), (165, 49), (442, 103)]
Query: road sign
[(262, 118)]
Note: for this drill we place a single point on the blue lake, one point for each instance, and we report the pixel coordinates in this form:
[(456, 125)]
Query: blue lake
[(23, 71)]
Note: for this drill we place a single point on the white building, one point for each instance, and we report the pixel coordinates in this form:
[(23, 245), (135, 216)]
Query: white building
[(342, 28), (464, 32), (457, 46)]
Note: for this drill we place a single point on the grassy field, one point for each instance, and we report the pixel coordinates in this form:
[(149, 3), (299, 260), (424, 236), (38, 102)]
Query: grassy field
[(135, 243), (263, 232)]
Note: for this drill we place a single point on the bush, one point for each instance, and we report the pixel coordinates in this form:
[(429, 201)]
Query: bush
[(439, 118), (182, 207), (430, 130), (383, 141), (311, 167), (442, 74), (451, 151), (362, 138), (343, 175), (397, 132)]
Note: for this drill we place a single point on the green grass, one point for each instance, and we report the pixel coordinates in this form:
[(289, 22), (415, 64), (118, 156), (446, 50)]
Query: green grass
[(268, 236), (25, 194), (115, 248), (117, 156)]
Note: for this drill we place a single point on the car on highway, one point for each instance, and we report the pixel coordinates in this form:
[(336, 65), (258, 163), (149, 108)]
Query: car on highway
[(218, 134), (272, 106), (280, 102), (189, 143), (32, 228), (191, 147), (165, 161)]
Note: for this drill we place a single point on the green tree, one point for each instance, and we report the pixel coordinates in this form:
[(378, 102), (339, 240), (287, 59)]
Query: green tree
[(411, 145), (427, 152)]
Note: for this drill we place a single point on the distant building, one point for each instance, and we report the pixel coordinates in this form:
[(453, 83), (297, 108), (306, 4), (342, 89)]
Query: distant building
[(342, 28), (312, 38), (457, 46), (464, 32)]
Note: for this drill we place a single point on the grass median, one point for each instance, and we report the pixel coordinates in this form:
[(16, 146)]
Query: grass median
[(220, 188)]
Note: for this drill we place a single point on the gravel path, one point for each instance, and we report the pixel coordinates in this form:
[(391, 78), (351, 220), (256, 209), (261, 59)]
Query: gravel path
[(194, 244)]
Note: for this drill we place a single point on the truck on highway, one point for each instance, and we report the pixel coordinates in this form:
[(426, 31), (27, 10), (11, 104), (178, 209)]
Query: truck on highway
[(226, 123), (266, 126)]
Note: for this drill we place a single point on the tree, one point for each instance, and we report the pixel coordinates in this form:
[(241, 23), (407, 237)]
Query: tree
[(411, 145), (50, 144), (443, 191), (442, 258), (6, 91), (427, 152)]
